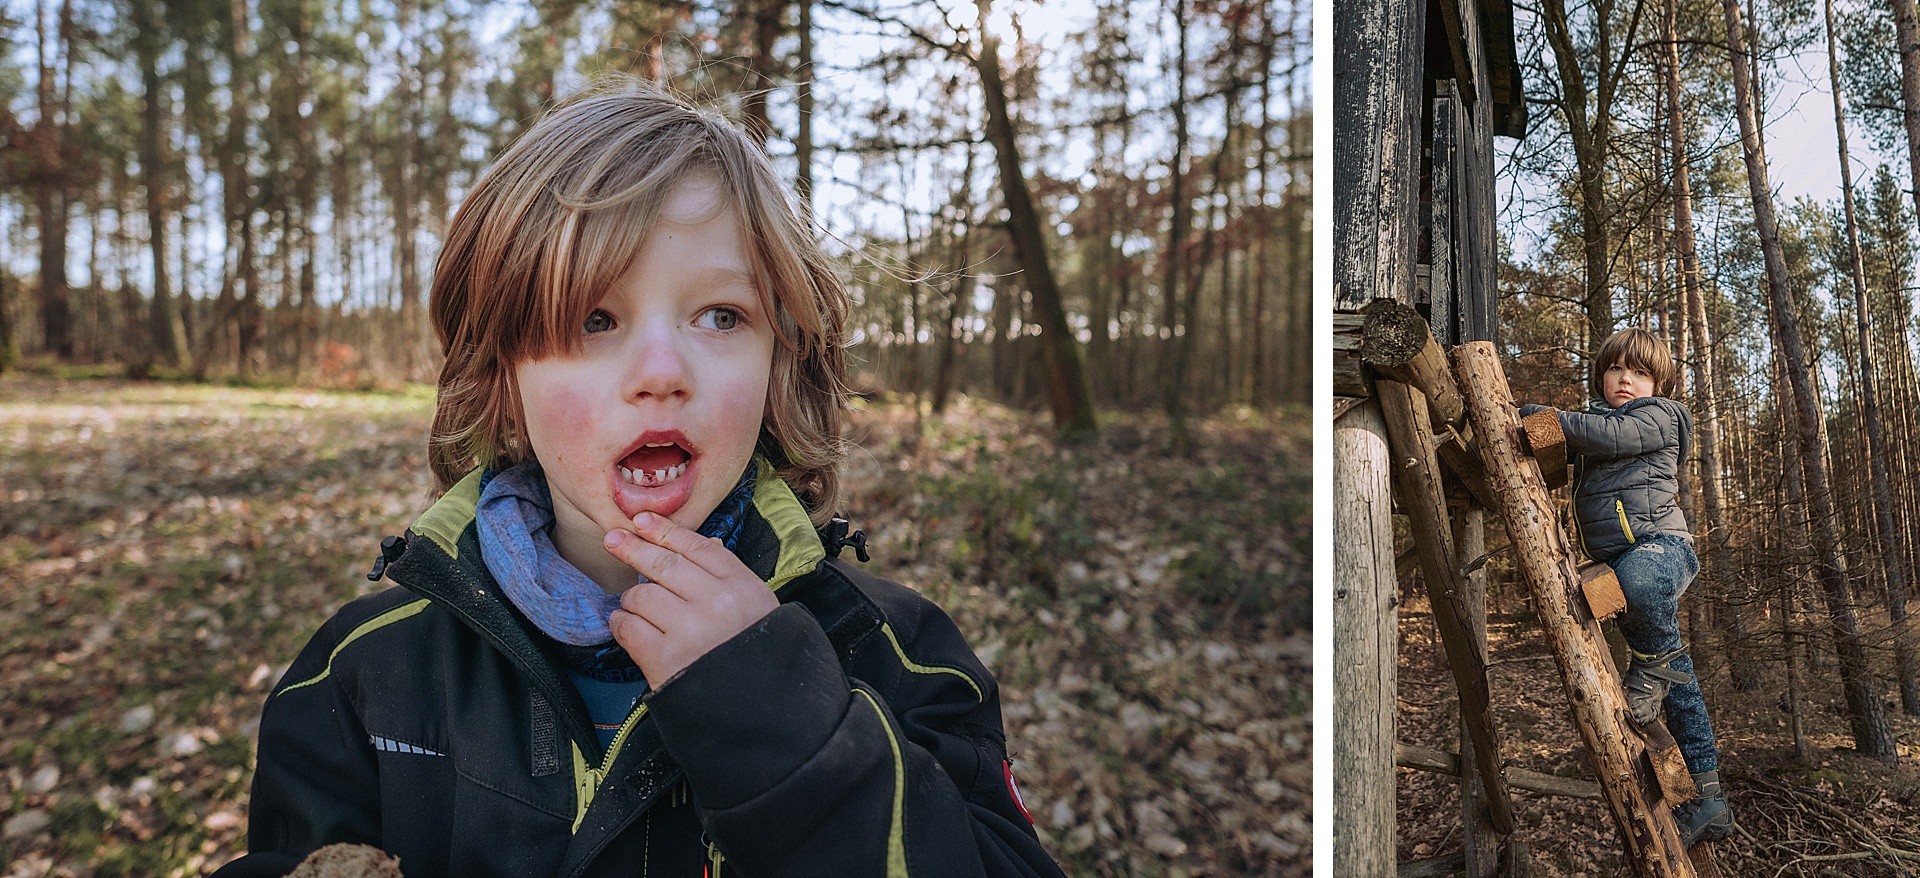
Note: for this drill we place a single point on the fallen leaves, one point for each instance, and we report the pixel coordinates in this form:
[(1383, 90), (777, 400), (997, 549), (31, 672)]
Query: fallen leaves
[(165, 550)]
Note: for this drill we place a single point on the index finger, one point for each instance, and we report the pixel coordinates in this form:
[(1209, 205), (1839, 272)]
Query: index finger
[(705, 552)]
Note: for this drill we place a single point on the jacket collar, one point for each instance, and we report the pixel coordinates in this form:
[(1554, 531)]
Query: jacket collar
[(777, 540), (441, 561)]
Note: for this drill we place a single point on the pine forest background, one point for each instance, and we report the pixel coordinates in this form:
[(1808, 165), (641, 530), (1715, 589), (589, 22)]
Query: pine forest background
[(258, 189), (1645, 195), (1077, 237)]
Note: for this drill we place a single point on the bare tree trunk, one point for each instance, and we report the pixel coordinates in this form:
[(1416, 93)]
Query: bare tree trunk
[(1706, 395), (1172, 377), (1365, 619), (1892, 553), (47, 143), (406, 132), (239, 197), (1071, 401), (1869, 723), (306, 171), (1589, 139), (765, 28), (959, 292), (1253, 378), (803, 129), (163, 332)]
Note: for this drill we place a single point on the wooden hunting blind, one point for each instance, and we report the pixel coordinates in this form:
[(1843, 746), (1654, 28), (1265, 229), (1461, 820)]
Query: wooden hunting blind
[(1424, 426)]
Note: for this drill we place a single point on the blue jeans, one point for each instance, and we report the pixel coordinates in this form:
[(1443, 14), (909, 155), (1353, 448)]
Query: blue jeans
[(1654, 572)]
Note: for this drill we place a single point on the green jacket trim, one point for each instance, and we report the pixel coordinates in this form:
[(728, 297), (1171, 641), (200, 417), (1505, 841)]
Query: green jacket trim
[(368, 627), (800, 549), (455, 510), (918, 668), (897, 832)]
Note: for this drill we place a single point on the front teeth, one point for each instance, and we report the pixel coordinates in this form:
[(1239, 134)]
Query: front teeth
[(655, 478)]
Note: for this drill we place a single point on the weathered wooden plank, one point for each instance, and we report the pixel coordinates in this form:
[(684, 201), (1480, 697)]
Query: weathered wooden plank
[(1349, 379), (1365, 635), (1444, 208), (1441, 762), (1378, 51)]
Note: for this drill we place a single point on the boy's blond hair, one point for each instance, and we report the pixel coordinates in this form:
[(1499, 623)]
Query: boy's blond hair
[(1638, 349), (558, 218)]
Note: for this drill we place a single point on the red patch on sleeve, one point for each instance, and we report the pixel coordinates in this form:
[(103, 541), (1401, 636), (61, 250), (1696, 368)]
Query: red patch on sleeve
[(1013, 789)]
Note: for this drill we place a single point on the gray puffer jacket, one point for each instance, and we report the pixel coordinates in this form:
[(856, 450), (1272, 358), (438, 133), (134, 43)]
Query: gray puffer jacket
[(1626, 469)]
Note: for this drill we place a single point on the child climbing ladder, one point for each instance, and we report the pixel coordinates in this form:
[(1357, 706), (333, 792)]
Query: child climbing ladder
[(1640, 771)]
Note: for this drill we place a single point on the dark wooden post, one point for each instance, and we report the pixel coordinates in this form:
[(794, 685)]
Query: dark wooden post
[(1426, 505)]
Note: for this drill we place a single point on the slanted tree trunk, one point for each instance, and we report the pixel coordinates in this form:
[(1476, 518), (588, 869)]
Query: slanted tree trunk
[(1871, 734), (1067, 392)]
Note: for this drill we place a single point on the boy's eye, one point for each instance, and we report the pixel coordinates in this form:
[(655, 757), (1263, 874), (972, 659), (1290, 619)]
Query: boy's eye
[(721, 318), (598, 321)]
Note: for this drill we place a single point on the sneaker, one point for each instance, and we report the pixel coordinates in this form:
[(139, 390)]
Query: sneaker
[(1647, 681), (1707, 818)]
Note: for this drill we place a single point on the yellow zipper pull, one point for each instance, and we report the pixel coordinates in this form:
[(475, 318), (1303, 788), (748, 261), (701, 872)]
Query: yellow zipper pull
[(714, 857)]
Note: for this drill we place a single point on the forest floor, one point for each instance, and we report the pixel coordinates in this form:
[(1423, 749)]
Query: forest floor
[(1837, 813), (166, 549)]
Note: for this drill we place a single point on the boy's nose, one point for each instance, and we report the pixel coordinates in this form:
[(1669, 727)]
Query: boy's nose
[(655, 366)]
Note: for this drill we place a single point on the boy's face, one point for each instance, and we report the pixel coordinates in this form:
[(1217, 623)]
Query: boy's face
[(659, 409), (1623, 384)]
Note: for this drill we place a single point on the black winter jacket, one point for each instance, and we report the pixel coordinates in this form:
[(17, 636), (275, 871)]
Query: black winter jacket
[(850, 732), (1626, 473)]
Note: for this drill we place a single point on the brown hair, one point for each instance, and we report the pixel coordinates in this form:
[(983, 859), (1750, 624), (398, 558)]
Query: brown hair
[(1638, 349), (558, 218)]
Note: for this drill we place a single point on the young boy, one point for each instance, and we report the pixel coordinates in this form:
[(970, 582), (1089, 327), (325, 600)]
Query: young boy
[(619, 645), (1629, 447)]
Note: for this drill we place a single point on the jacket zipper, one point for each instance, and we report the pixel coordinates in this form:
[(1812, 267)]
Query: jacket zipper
[(1621, 507), (586, 780)]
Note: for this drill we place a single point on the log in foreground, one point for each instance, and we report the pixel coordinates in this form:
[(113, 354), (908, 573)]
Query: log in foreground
[(1417, 478), (1398, 344), (1617, 752)]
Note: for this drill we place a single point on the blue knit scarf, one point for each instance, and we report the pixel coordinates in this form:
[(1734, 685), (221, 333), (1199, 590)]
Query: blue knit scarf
[(515, 523)]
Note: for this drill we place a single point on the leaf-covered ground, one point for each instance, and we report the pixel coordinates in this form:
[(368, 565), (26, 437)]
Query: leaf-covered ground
[(166, 549), (1837, 814)]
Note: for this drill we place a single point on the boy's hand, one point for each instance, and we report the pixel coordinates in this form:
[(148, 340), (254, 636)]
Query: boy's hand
[(700, 596)]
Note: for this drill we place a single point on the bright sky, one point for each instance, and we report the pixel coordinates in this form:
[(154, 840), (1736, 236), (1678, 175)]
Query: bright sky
[(1799, 132)]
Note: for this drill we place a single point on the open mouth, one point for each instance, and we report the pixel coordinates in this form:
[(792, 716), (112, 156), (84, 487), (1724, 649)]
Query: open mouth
[(655, 464), (656, 474)]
